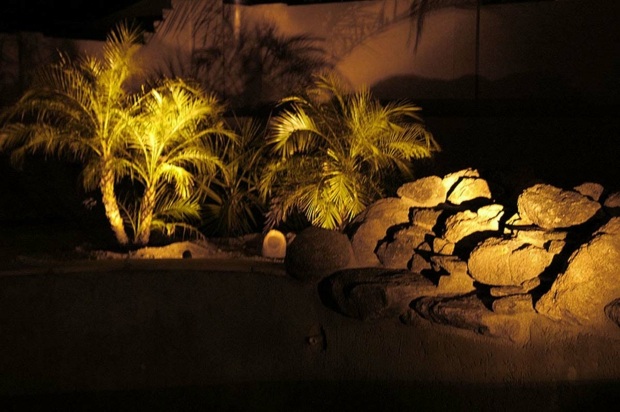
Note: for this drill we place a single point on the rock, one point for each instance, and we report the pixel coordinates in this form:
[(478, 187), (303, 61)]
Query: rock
[(317, 252), (468, 312), (612, 310), (552, 208), (612, 204), (424, 192), (591, 280), (425, 218), (541, 238), (457, 281), (592, 191), (373, 293), (469, 188), (525, 287), (450, 180), (465, 223), (507, 262), (398, 252), (274, 245), (371, 226), (442, 246), (516, 221), (514, 304), (419, 264)]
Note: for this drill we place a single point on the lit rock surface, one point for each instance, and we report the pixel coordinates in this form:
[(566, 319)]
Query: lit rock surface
[(451, 179), (590, 282), (469, 188), (591, 190), (371, 226), (509, 262), (454, 278), (465, 223), (552, 208), (424, 192)]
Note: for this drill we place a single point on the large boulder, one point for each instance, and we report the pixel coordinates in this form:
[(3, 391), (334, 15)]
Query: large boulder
[(507, 262), (591, 280), (371, 226), (317, 252), (425, 192), (373, 293), (553, 208)]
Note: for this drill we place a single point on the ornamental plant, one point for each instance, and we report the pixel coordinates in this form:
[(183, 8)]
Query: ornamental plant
[(333, 152)]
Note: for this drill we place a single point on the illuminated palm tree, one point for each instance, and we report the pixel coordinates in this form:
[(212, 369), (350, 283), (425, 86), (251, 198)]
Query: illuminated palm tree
[(77, 109), (175, 133), (333, 152)]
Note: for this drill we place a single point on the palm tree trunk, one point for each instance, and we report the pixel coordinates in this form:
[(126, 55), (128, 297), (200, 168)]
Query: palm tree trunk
[(111, 206), (146, 216)]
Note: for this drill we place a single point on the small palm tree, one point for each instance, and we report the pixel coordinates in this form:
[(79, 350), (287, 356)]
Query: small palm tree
[(234, 207), (333, 151), (77, 109), (172, 145)]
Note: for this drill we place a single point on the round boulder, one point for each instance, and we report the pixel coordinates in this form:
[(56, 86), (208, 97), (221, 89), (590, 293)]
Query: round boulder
[(316, 253)]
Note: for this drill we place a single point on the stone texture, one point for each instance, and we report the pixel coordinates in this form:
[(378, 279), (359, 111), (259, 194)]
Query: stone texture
[(591, 280), (451, 179), (442, 246), (513, 304), (469, 188), (425, 192), (425, 218), (419, 264), (525, 287), (468, 312), (507, 262), (371, 226), (590, 190), (552, 208), (541, 238), (316, 252), (373, 293), (457, 281), (465, 223), (398, 252)]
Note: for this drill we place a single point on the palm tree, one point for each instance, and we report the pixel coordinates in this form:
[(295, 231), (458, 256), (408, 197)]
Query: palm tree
[(333, 152), (174, 134), (76, 108), (234, 207)]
